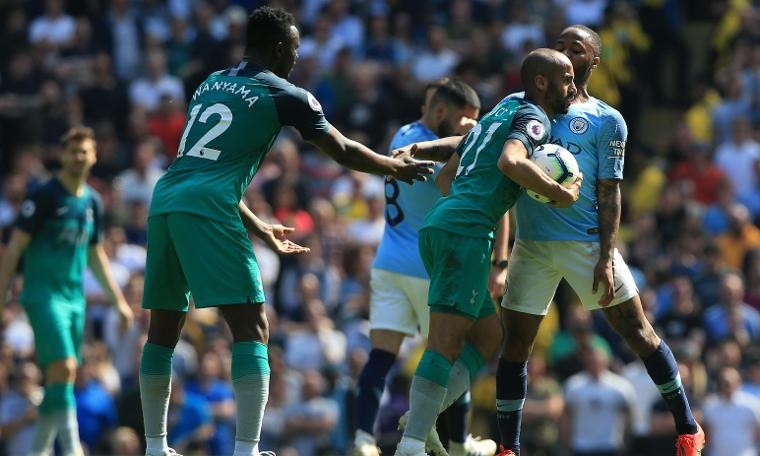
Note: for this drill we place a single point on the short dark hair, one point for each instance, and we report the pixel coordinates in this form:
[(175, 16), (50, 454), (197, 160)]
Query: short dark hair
[(436, 84), (456, 92), (596, 41), (76, 134), (266, 27)]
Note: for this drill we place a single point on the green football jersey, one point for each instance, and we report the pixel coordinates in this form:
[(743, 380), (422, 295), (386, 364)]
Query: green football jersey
[(62, 227), (481, 193), (232, 120)]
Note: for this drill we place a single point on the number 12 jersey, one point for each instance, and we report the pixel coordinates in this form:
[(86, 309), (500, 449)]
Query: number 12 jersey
[(233, 118)]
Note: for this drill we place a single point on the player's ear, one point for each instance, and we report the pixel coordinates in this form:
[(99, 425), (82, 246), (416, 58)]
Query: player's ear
[(278, 50), (541, 82), (595, 62)]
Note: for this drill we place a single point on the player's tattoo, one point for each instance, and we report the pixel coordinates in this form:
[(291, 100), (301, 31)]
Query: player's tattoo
[(608, 201)]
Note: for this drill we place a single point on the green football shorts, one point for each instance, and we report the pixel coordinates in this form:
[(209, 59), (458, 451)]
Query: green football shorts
[(189, 253), (458, 267), (58, 329)]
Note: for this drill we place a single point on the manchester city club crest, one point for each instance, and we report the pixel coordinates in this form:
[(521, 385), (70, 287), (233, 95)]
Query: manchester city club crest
[(579, 125)]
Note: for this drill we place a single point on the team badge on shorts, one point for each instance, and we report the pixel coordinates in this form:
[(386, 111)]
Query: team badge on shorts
[(579, 125)]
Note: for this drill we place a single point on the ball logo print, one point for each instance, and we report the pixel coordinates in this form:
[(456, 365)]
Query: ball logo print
[(558, 163), (535, 129), (579, 125)]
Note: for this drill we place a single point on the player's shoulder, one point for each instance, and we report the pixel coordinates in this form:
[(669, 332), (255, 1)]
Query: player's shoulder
[(530, 108), (94, 196), (412, 133), (45, 190), (605, 111)]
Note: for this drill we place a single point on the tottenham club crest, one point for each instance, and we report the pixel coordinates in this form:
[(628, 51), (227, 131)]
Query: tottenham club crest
[(579, 125)]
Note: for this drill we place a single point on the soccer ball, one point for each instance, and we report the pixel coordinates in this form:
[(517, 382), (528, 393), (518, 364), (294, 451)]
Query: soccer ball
[(558, 163)]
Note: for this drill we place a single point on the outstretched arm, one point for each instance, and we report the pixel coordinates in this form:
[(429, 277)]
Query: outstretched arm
[(274, 235), (439, 150), (354, 155), (608, 201)]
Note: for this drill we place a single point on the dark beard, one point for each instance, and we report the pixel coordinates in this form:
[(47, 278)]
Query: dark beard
[(444, 130)]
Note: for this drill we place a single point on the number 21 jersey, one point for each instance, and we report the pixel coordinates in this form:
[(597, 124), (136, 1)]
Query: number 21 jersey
[(233, 119), (480, 193)]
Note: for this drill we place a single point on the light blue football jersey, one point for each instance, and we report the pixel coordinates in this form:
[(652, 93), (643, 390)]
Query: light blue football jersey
[(405, 209), (595, 133)]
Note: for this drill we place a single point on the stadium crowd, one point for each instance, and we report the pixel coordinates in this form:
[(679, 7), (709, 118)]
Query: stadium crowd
[(690, 226)]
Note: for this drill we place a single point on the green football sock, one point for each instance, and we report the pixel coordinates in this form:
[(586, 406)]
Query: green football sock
[(250, 380), (155, 388), (427, 393)]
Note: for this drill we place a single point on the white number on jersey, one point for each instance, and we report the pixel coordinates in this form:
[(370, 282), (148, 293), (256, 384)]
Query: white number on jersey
[(222, 124), (472, 138)]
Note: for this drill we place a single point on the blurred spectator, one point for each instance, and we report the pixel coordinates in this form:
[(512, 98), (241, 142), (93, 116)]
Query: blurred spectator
[(543, 408), (190, 424), (732, 417), (704, 177), (683, 321), (647, 395), (741, 237), (18, 410), (166, 124), (568, 345), (284, 392), (136, 228), (54, 26), (738, 157), (212, 384), (751, 271), (124, 442), (136, 184), (733, 106), (323, 45), (308, 423), (288, 210), (316, 343), (96, 411), (346, 27), (589, 12), (123, 31), (380, 46), (732, 317), (146, 92), (599, 407), (437, 60), (369, 230), (522, 28)]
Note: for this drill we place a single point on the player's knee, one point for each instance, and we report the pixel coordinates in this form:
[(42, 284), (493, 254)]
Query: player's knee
[(489, 344), (449, 345)]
